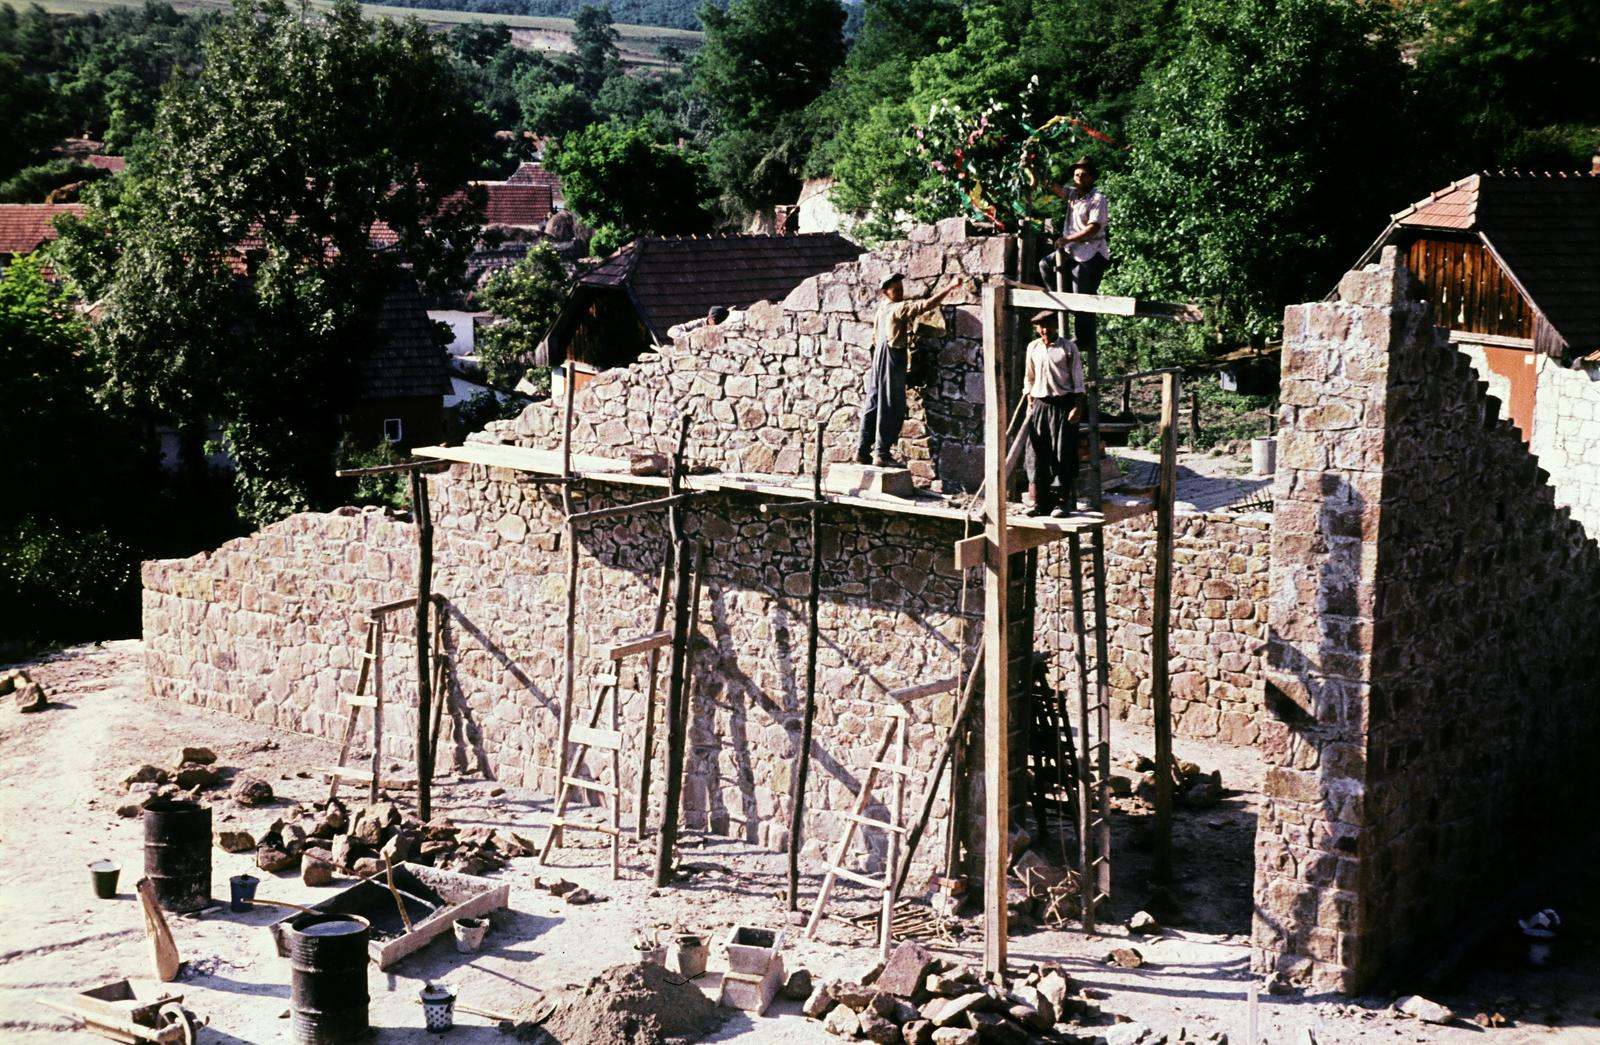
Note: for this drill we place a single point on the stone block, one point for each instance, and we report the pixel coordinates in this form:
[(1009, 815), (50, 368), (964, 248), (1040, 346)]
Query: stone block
[(868, 480)]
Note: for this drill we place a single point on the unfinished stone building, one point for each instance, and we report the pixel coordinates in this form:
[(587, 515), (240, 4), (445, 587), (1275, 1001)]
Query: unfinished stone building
[(1402, 639)]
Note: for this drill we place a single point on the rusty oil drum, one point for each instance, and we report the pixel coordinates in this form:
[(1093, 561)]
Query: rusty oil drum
[(328, 984), (177, 854)]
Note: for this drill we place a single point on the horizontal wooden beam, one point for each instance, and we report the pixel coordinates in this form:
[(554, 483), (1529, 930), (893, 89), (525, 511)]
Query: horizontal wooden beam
[(970, 552), (778, 507), (628, 647), (922, 689), (1101, 304), (400, 466), (1458, 337), (637, 506)]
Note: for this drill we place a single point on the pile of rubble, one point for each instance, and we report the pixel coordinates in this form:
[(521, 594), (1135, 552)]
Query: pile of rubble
[(194, 770), (918, 999), (327, 838), (1192, 786)]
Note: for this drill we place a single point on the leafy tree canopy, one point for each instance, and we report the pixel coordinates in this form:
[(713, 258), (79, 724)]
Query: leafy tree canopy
[(1263, 159), (233, 265), (624, 182), (525, 299), (763, 62)]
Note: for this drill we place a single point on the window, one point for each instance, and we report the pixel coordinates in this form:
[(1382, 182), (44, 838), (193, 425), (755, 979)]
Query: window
[(392, 430)]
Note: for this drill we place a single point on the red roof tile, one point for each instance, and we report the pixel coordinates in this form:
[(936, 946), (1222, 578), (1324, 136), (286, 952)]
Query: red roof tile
[(114, 164), (24, 227)]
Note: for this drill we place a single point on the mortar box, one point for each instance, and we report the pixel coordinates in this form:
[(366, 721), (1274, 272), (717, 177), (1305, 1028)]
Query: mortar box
[(751, 950), (752, 993)]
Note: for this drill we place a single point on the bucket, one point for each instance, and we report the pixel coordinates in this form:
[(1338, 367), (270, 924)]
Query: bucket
[(242, 889), (1263, 455), (438, 1007), (469, 933), (652, 955), (104, 873), (177, 854), (328, 985), (689, 954)]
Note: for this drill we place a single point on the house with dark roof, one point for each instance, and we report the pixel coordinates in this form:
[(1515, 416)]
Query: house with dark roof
[(402, 378), (1511, 264), (627, 304)]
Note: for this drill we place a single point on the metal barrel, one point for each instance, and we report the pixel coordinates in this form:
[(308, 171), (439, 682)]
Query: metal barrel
[(177, 854), (328, 988)]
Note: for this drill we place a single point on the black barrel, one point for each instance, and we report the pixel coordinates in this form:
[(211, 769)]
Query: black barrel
[(328, 991), (177, 853)]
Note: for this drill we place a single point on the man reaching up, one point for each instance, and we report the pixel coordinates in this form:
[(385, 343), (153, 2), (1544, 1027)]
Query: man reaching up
[(883, 410)]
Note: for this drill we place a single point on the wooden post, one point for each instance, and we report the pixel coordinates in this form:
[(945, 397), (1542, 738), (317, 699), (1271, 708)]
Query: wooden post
[(423, 516), (1160, 679), (1194, 418), (802, 756), (996, 660), (377, 708), (569, 643), (647, 747), (667, 840)]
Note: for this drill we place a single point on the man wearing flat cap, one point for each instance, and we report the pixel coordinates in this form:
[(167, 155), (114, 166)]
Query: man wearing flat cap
[(1053, 383), (883, 410), (1083, 247)]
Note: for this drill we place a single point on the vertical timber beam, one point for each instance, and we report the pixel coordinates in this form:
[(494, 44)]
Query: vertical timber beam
[(802, 757), (996, 661), (569, 644), (667, 840), (1160, 677), (424, 520)]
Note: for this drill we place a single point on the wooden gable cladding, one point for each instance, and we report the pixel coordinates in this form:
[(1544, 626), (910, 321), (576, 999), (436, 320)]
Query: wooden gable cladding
[(1469, 289)]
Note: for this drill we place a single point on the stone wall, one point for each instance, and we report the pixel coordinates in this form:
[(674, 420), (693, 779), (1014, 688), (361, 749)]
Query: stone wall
[(269, 627), (1566, 436), (757, 389), (1430, 673)]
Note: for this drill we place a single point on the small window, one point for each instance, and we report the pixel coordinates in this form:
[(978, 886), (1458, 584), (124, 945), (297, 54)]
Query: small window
[(392, 432)]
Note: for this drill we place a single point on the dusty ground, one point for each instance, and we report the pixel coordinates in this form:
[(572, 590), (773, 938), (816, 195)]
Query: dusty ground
[(62, 769)]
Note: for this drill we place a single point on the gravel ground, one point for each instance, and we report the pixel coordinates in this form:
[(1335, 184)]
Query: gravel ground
[(62, 770)]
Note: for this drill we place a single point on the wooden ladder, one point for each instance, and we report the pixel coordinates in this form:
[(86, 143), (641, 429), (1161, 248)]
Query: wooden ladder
[(584, 737), (893, 828), (1093, 756), (368, 695)]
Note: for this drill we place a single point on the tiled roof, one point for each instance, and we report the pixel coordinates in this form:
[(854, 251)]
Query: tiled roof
[(522, 205), (1545, 229), (114, 164), (676, 279), (536, 174), (406, 359), (24, 227)]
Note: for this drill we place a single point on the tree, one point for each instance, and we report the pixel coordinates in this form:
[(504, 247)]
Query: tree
[(762, 63), (554, 109), (525, 299), (594, 41), (624, 183), (1265, 160), (235, 272), (66, 564)]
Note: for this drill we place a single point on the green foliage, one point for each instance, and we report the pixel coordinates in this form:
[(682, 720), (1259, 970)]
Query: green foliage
[(475, 412), (1509, 84), (762, 64), (555, 109), (389, 490), (33, 184), (72, 468), (594, 42), (624, 183), (1263, 161), (525, 299), (235, 273)]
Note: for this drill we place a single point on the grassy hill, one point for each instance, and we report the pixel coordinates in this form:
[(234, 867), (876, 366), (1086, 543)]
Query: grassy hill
[(637, 43)]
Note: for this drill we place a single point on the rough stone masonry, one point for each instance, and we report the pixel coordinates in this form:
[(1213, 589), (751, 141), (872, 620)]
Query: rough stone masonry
[(1432, 674)]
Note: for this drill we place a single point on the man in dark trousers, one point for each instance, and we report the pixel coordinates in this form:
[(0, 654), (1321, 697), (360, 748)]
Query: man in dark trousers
[(1083, 247), (883, 410), (1053, 383)]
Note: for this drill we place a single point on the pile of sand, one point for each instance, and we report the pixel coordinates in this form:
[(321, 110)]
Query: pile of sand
[(625, 1005)]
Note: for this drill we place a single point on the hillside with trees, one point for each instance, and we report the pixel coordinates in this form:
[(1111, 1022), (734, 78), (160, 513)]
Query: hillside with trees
[(1249, 149)]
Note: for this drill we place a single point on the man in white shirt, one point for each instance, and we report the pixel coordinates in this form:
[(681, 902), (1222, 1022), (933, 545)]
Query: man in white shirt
[(1083, 246), (883, 405), (1053, 383)]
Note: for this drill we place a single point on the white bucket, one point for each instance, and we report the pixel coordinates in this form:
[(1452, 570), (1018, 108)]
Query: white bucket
[(1263, 455)]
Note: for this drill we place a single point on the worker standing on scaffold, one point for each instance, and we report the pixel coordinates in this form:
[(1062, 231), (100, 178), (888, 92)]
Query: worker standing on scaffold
[(1083, 245), (1053, 382)]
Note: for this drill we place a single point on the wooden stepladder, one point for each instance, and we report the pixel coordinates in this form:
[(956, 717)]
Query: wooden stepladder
[(586, 734), (368, 695), (894, 828)]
